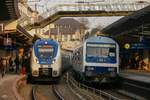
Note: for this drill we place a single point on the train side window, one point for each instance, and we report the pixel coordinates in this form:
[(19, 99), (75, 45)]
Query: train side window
[(78, 55), (75, 57)]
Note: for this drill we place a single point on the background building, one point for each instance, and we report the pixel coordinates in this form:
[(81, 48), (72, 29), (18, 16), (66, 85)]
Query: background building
[(66, 29)]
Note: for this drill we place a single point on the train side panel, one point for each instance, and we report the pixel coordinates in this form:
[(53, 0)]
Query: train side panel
[(77, 60), (57, 65)]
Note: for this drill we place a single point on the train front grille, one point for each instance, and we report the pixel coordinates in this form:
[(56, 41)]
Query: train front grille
[(45, 71)]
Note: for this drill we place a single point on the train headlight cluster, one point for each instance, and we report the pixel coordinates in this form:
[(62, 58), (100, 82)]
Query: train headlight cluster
[(53, 61), (54, 72), (35, 72), (37, 61)]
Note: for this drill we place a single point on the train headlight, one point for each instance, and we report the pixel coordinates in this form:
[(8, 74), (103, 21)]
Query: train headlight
[(54, 72), (53, 61), (35, 72), (37, 61)]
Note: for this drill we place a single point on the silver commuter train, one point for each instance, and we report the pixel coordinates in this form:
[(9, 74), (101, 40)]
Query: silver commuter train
[(66, 59), (45, 61), (96, 60)]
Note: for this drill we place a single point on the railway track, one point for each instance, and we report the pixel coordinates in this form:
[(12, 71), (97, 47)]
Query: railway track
[(62, 92), (54, 92), (59, 91), (116, 95), (109, 93), (46, 92), (106, 94)]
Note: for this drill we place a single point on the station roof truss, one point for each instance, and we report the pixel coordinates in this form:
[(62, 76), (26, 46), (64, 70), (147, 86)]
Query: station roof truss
[(58, 15), (9, 10), (24, 36), (21, 36), (136, 24), (81, 11)]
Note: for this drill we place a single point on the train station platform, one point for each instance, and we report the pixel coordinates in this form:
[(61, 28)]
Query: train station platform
[(137, 75), (8, 89)]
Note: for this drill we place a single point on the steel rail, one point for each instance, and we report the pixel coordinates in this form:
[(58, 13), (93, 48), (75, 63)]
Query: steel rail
[(57, 93)]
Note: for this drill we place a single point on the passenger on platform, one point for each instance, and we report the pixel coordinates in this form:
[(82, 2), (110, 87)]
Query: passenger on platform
[(133, 62), (28, 63), (24, 61), (17, 63), (123, 62), (142, 64), (129, 63), (3, 66), (10, 64), (137, 60)]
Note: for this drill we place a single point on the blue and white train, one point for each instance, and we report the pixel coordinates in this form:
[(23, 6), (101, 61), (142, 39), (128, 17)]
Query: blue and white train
[(45, 60), (96, 60)]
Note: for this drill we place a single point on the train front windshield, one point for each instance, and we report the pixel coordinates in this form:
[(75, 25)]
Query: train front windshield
[(101, 53), (45, 51)]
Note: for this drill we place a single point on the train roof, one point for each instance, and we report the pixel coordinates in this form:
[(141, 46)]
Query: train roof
[(100, 39), (46, 41)]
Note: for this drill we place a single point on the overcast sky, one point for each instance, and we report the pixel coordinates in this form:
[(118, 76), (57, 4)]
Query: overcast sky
[(94, 21)]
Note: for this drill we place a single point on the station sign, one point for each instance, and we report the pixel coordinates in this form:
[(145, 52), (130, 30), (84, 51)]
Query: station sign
[(139, 45)]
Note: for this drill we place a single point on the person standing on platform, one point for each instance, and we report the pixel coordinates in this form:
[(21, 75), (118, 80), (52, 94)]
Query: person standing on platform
[(17, 63), (10, 64), (28, 64), (142, 64), (2, 66), (137, 60), (133, 62), (24, 64)]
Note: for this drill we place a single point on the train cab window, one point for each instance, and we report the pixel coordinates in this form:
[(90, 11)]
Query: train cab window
[(75, 56), (97, 51), (104, 52), (45, 52)]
